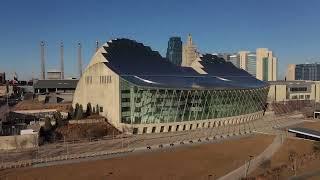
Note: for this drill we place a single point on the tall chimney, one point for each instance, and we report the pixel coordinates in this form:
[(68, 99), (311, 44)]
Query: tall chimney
[(97, 45), (79, 60), (61, 60), (43, 70)]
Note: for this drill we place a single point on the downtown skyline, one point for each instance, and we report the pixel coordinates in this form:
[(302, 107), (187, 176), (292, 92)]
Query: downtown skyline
[(288, 28)]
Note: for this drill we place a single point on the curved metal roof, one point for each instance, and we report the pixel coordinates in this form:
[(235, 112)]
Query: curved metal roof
[(141, 66)]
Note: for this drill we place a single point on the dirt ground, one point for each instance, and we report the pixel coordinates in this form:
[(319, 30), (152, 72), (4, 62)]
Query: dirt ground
[(34, 105), (193, 162), (302, 148), (312, 125)]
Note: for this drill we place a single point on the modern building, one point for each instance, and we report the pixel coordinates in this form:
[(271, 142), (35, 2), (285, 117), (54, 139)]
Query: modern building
[(266, 65), (54, 75), (138, 91), (189, 52), (245, 60), (2, 78), (294, 90), (251, 64), (307, 72), (174, 50)]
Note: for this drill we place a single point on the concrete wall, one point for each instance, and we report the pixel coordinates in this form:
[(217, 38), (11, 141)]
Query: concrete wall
[(279, 92), (18, 142), (91, 89)]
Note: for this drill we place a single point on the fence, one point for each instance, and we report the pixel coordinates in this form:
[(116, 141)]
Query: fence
[(32, 162)]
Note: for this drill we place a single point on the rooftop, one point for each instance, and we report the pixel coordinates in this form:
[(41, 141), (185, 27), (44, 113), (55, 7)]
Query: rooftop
[(66, 84), (142, 66)]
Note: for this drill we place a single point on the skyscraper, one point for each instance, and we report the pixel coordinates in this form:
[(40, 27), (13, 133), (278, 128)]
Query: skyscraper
[(251, 64), (234, 59), (266, 63), (174, 50), (189, 53), (291, 72)]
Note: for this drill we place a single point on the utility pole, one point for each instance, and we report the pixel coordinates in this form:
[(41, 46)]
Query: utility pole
[(247, 168)]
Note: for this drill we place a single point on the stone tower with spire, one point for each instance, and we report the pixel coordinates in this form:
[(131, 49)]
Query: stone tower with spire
[(189, 52)]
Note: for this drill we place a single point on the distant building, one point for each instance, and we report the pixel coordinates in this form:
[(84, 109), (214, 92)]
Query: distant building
[(174, 50), (189, 53), (225, 56), (235, 60), (54, 75), (294, 90), (245, 60), (307, 72), (2, 78), (55, 86), (266, 65), (291, 72)]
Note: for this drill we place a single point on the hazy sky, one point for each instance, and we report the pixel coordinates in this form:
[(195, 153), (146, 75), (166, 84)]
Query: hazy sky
[(290, 28)]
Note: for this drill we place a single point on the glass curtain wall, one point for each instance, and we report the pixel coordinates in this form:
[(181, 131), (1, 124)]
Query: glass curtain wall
[(142, 105)]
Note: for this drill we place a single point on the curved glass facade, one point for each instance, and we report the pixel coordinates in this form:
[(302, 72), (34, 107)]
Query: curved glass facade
[(144, 105)]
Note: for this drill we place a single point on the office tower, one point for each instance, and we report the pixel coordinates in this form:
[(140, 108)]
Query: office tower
[(189, 53), (235, 60), (291, 72), (251, 64), (266, 63), (174, 50), (307, 72)]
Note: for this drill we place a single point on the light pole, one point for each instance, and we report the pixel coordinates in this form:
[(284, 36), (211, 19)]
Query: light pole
[(247, 168)]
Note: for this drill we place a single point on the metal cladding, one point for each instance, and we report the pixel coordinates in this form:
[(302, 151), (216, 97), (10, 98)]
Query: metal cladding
[(141, 66)]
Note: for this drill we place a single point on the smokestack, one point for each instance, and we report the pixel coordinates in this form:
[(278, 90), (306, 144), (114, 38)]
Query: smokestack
[(97, 45), (61, 60), (79, 60), (43, 70)]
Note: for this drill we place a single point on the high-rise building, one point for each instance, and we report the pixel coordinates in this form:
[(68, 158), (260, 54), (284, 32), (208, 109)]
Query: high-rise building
[(266, 65), (245, 60), (225, 56), (174, 50), (251, 64), (291, 72), (189, 53), (235, 60), (262, 64), (307, 72)]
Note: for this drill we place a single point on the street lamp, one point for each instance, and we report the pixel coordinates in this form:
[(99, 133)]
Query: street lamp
[(247, 168)]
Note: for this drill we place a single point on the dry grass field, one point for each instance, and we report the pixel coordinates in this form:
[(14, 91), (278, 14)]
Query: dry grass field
[(188, 162)]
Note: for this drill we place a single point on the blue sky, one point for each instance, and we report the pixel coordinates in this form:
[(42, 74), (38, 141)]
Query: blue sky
[(290, 28)]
